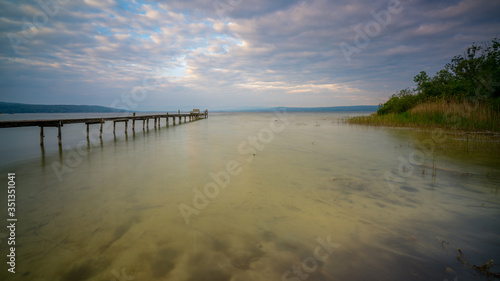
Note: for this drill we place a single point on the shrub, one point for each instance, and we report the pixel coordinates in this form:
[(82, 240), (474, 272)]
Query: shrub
[(400, 102), (475, 75)]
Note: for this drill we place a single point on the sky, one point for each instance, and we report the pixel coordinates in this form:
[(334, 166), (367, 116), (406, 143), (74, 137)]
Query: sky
[(230, 54)]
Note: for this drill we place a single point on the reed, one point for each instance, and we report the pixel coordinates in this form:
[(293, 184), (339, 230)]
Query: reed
[(452, 115)]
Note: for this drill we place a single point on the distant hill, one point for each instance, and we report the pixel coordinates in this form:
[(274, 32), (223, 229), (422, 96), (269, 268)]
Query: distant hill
[(8, 107), (358, 108), (354, 108)]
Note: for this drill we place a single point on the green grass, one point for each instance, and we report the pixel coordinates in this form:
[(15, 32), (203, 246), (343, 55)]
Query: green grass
[(459, 116)]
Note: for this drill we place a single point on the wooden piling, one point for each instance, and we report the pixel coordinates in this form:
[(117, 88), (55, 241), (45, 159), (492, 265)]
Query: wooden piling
[(88, 123), (41, 136), (120, 120), (190, 116), (59, 136), (100, 130)]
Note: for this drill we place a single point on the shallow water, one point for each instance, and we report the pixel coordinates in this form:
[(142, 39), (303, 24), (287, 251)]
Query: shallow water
[(319, 200)]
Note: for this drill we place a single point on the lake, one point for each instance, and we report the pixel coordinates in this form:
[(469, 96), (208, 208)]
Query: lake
[(250, 196)]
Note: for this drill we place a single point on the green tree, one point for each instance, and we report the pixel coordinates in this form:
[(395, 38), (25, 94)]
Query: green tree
[(400, 102), (474, 74), (422, 81)]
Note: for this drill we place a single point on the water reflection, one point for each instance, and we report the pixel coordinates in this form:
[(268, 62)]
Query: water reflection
[(117, 212)]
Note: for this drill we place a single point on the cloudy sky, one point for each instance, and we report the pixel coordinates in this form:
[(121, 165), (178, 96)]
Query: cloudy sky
[(229, 54)]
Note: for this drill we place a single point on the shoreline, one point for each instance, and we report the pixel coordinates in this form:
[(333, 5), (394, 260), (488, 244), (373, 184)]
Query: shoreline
[(449, 116)]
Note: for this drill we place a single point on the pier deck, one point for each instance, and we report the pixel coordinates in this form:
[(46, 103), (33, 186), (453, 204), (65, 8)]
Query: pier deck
[(193, 115)]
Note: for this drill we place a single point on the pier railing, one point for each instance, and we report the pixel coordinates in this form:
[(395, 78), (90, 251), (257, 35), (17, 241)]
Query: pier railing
[(59, 123)]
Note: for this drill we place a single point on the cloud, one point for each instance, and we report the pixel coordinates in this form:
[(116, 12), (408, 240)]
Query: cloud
[(257, 53)]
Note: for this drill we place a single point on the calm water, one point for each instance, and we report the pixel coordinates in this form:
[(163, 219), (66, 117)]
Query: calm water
[(251, 196)]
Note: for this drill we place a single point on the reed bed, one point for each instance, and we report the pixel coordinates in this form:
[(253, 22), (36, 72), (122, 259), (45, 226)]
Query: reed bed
[(460, 116)]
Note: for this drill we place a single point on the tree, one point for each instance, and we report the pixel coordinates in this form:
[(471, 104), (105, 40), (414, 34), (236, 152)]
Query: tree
[(474, 74), (400, 102), (422, 81)]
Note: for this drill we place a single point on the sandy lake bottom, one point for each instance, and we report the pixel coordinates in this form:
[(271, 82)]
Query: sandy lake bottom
[(253, 196)]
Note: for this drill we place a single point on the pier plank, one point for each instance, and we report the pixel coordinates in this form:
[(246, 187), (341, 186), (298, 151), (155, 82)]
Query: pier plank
[(59, 123)]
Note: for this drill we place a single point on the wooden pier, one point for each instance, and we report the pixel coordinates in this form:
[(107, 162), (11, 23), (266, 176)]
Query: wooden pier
[(59, 123)]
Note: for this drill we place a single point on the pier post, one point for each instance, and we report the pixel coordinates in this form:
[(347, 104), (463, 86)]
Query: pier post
[(100, 131), (59, 136), (188, 117), (41, 135)]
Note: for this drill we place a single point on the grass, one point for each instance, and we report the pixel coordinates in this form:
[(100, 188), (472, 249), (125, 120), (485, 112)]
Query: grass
[(459, 116)]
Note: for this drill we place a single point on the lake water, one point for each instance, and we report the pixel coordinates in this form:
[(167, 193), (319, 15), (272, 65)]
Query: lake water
[(251, 196)]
